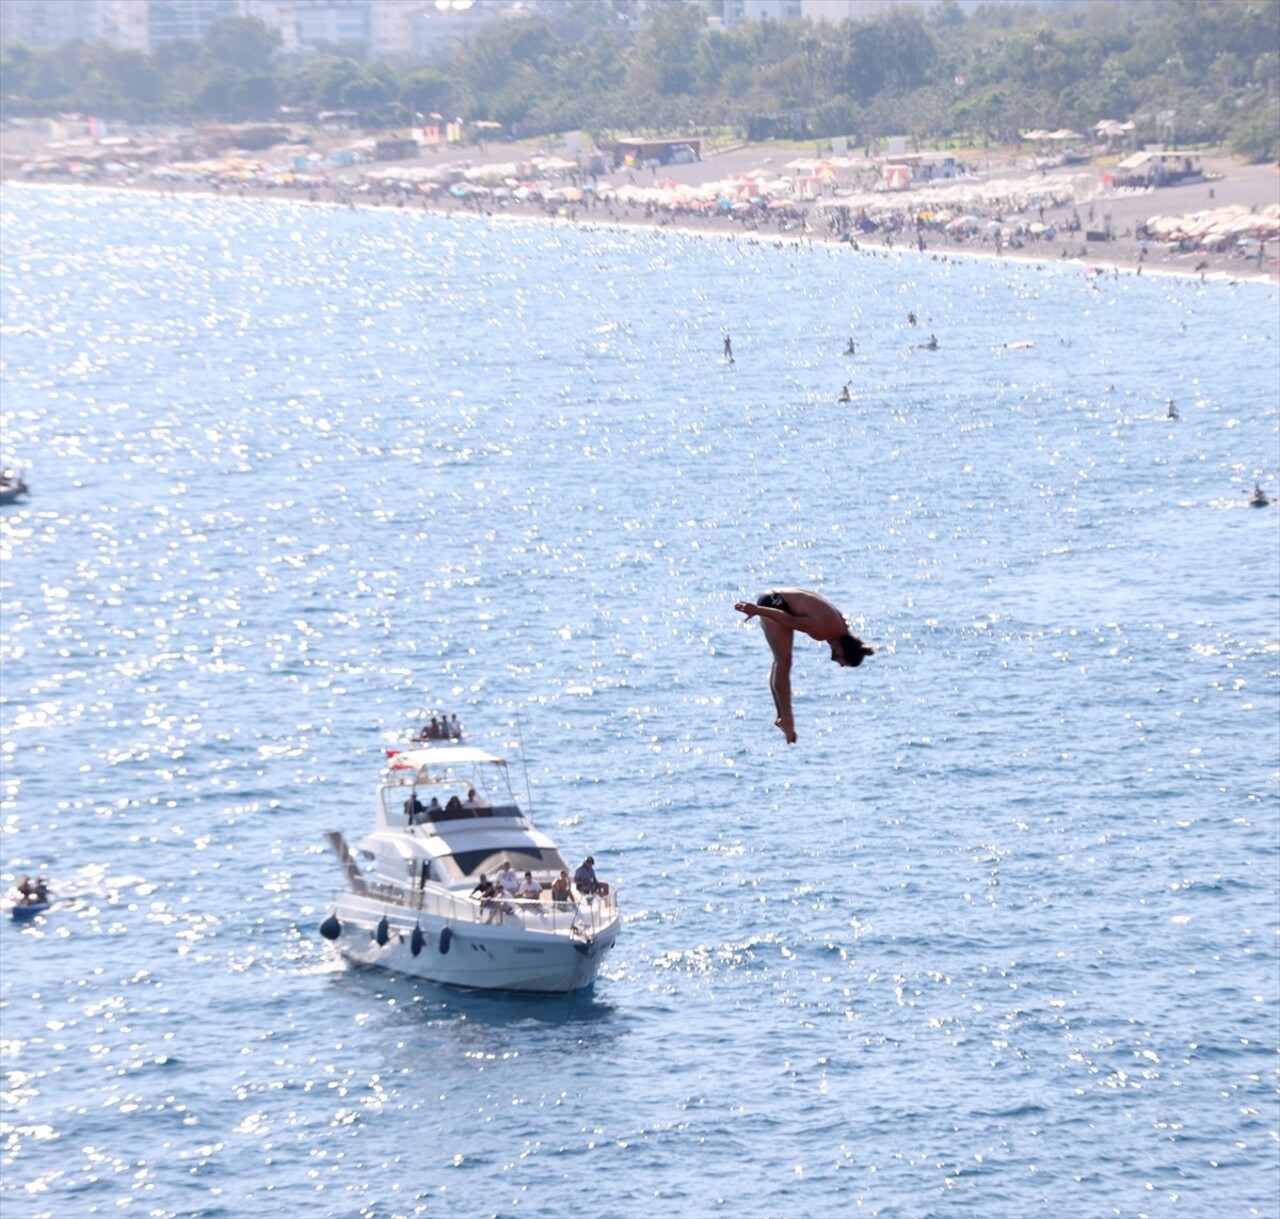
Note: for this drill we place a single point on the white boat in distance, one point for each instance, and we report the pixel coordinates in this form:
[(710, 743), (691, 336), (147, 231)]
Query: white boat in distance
[(445, 816)]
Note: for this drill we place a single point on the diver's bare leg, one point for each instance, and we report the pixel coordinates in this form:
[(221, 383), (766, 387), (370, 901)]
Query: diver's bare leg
[(780, 639)]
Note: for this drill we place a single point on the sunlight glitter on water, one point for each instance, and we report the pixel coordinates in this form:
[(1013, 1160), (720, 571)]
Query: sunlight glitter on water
[(302, 474)]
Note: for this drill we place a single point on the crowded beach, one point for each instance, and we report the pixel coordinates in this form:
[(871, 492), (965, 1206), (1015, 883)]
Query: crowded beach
[(1190, 214)]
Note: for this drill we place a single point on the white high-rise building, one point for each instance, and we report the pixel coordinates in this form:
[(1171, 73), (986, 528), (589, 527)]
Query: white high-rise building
[(168, 19), (391, 28), (738, 11), (381, 29), (43, 24), (123, 24)]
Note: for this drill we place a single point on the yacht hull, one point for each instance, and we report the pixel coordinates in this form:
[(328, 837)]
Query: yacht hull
[(501, 955)]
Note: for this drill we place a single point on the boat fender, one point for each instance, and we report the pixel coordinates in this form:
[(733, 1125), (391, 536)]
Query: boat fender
[(446, 938), (382, 935), (331, 928), (416, 941)]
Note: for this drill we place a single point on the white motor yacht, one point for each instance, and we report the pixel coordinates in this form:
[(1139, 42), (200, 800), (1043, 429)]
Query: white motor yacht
[(446, 818)]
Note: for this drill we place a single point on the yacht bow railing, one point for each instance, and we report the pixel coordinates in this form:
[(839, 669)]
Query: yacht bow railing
[(584, 917)]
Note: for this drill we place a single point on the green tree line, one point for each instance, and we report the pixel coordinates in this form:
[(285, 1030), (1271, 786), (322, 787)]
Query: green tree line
[(1204, 72)]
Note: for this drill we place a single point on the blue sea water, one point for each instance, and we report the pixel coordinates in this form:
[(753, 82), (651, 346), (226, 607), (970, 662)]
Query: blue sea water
[(997, 937)]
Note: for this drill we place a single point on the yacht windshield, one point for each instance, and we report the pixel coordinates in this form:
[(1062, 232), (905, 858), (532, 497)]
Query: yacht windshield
[(523, 858)]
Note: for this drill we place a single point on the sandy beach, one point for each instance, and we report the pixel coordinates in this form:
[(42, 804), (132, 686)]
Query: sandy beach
[(1004, 194)]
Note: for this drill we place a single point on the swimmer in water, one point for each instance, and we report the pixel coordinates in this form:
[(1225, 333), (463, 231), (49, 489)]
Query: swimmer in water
[(1172, 412), (852, 349), (844, 393), (783, 612)]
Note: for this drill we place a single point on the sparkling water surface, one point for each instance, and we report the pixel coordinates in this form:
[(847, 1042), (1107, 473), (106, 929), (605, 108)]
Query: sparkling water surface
[(997, 937)]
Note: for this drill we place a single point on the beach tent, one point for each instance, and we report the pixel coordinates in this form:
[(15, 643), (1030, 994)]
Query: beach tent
[(896, 177)]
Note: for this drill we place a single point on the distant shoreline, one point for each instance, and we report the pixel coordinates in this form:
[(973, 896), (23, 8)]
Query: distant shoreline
[(1112, 263)]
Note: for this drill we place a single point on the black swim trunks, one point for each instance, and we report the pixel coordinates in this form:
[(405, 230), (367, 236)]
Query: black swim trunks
[(774, 601)]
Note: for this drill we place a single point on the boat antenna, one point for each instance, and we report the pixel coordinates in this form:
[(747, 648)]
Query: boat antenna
[(524, 765)]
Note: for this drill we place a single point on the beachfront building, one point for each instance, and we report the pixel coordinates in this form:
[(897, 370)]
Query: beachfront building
[(1156, 167)]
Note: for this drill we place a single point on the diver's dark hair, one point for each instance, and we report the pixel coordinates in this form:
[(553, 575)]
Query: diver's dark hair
[(853, 650)]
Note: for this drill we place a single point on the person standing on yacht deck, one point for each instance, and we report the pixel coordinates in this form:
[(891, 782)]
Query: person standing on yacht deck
[(783, 612)]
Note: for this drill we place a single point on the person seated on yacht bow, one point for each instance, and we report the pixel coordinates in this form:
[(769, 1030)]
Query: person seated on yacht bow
[(561, 894), (585, 881), (528, 888), (490, 896), (507, 880)]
